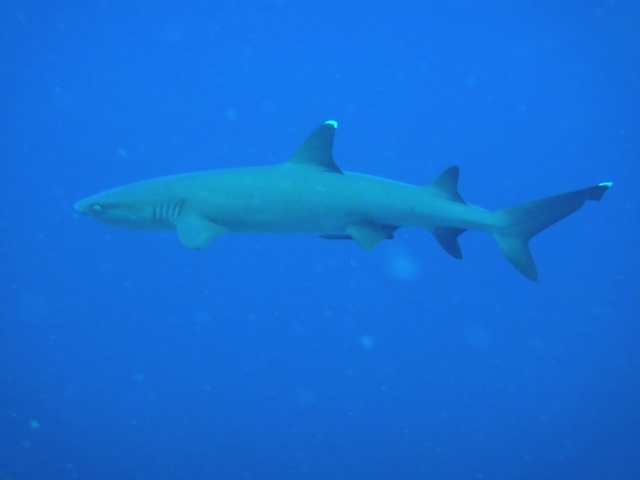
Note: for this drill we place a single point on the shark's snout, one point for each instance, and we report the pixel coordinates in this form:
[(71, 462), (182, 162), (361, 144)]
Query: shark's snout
[(89, 206), (82, 206)]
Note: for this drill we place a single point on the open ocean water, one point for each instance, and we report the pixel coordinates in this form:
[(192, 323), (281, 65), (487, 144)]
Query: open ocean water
[(124, 355)]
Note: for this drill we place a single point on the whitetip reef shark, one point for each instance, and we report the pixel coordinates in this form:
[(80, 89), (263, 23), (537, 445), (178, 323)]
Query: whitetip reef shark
[(310, 194)]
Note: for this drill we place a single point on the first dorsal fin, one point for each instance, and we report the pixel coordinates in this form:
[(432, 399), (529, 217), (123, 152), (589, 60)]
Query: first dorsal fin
[(317, 149), (446, 184)]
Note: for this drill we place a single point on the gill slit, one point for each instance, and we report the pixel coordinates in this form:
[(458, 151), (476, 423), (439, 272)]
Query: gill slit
[(168, 211)]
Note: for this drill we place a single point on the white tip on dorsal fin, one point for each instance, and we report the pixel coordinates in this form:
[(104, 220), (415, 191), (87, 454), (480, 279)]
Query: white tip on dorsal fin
[(317, 149)]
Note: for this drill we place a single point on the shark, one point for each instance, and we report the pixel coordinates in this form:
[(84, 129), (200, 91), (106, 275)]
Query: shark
[(310, 193)]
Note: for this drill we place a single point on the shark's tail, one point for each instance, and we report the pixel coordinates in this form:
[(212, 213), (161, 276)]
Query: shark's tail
[(522, 222)]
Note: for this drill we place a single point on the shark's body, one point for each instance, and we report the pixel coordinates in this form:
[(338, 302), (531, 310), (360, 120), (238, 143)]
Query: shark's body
[(310, 194)]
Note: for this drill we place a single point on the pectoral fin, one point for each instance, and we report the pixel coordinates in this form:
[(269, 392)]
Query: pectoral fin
[(197, 232)]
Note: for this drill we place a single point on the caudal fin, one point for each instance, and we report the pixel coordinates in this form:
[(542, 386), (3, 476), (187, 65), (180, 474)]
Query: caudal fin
[(522, 222)]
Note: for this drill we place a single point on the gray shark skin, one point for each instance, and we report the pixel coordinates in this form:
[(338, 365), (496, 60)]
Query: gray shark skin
[(310, 194)]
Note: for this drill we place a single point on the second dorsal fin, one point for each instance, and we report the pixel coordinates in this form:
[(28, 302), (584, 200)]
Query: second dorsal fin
[(446, 184)]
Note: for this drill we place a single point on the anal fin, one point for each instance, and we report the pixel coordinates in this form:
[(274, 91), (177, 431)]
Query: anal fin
[(447, 237)]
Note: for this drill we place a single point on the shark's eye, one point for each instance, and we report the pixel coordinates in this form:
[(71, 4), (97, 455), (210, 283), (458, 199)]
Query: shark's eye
[(96, 208)]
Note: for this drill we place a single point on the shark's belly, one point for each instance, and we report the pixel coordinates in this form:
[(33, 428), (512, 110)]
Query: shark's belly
[(293, 220), (299, 200), (314, 212)]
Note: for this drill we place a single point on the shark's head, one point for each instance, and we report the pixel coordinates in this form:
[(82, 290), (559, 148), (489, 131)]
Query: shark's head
[(125, 207)]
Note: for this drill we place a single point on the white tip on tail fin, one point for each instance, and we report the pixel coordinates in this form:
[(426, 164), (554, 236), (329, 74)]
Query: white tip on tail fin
[(522, 222)]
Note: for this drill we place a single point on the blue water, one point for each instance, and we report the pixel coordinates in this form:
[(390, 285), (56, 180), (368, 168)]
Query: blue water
[(124, 355)]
